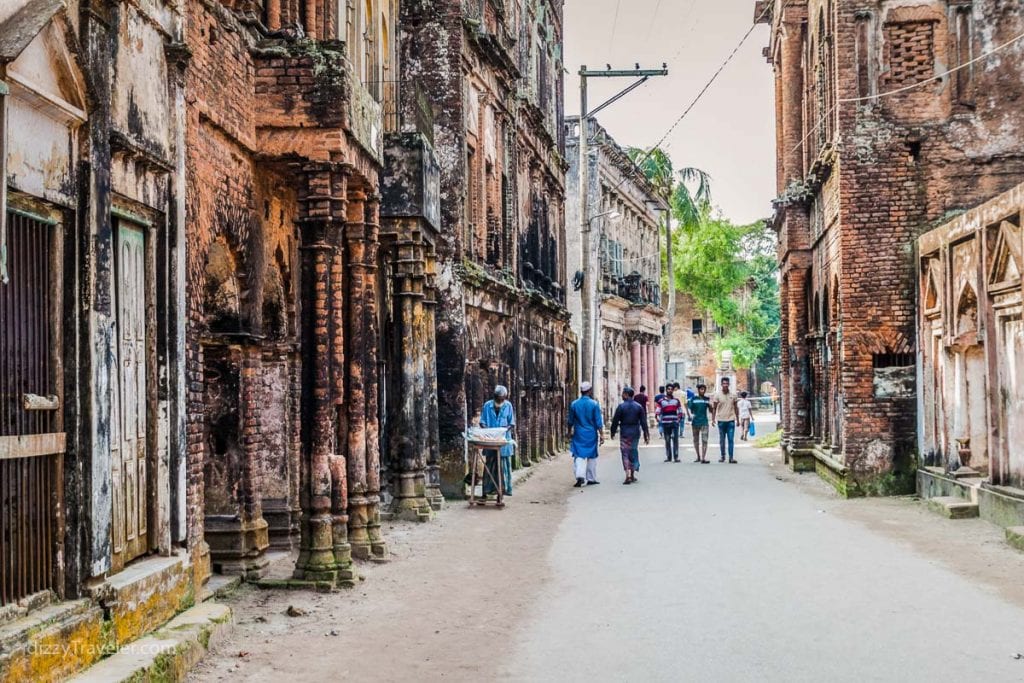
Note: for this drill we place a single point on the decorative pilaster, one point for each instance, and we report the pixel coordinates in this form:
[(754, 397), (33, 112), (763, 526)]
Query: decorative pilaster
[(634, 363), (412, 359), (361, 239), (429, 403), (324, 554)]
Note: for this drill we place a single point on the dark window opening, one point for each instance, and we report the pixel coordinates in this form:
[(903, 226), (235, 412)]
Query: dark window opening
[(892, 360), (698, 326)]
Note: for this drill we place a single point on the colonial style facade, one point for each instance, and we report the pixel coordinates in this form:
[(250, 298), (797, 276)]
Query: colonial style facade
[(630, 316), (876, 145), (971, 350), (493, 72)]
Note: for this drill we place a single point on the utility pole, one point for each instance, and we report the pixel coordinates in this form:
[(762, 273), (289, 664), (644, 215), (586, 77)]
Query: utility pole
[(589, 292), (671, 282)]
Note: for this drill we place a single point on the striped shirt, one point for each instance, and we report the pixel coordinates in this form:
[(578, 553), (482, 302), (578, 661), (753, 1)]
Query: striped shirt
[(671, 410)]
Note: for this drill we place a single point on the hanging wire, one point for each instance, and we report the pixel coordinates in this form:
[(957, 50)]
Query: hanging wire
[(906, 88), (615, 24)]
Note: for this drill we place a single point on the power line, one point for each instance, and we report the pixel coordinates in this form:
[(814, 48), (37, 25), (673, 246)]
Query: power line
[(654, 20), (707, 85), (615, 24), (906, 88), (647, 155)]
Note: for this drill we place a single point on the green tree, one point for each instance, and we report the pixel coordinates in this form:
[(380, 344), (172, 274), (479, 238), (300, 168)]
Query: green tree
[(731, 272)]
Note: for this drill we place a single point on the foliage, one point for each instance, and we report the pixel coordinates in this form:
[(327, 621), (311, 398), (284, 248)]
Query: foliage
[(688, 190), (730, 270)]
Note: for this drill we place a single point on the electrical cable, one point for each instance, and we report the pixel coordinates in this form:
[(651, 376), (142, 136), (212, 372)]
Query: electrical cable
[(906, 88), (654, 20), (615, 24)]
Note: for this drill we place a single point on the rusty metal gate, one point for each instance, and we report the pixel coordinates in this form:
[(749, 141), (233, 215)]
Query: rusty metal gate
[(32, 440)]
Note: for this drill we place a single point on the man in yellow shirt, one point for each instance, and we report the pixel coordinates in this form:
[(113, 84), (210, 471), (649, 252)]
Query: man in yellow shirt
[(724, 412)]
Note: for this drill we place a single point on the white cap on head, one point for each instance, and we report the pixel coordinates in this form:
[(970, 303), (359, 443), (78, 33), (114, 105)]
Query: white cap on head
[(500, 391), (585, 387)]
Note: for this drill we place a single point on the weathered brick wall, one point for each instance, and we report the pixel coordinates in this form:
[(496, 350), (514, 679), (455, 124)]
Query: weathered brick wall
[(248, 212), (489, 326), (903, 162), (431, 52)]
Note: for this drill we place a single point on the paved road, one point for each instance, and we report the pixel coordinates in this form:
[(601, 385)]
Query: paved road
[(703, 573), (724, 573)]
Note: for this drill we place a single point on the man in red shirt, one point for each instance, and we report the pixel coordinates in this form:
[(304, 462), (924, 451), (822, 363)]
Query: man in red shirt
[(671, 414)]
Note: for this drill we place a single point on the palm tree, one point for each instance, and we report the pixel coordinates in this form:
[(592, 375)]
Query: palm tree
[(690, 207)]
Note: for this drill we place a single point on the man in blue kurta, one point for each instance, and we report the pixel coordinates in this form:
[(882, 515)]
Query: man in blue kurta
[(498, 412), (586, 424)]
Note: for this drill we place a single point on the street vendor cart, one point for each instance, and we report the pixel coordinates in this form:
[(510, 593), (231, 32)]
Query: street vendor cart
[(478, 440)]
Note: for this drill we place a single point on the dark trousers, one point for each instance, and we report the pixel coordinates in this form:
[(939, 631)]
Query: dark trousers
[(727, 432), (671, 430)]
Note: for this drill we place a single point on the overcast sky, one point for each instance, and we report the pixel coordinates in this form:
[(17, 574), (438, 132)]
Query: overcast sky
[(730, 133)]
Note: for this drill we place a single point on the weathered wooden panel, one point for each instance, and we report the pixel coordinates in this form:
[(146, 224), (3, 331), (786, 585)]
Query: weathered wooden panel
[(129, 426)]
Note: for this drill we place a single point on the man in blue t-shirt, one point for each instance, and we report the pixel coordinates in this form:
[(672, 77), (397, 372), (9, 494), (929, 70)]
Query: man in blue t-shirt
[(699, 406)]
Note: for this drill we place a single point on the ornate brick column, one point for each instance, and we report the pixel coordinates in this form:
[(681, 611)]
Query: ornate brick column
[(324, 551), (652, 369), (412, 359), (361, 241), (429, 420), (234, 524)]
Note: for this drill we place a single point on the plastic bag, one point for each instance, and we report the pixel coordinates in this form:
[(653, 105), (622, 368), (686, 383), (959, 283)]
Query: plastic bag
[(753, 432)]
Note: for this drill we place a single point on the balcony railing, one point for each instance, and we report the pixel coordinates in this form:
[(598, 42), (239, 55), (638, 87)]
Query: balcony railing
[(633, 288), (406, 107)]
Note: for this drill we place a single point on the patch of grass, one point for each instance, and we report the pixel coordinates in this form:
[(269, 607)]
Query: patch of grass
[(771, 440)]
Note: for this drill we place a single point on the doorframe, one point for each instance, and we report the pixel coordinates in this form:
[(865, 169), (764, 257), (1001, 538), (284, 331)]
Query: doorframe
[(152, 224)]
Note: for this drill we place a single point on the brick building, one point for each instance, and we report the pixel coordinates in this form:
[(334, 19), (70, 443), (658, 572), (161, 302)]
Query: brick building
[(217, 307), (630, 314), (869, 158), (694, 359), (493, 72), (313, 215)]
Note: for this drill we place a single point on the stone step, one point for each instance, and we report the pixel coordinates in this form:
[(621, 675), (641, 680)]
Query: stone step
[(168, 653), (52, 642), (953, 507), (1015, 537)]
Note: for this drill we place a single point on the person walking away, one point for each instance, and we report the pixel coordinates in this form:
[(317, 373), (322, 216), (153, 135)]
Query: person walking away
[(657, 408), (498, 412), (586, 424), (642, 399), (745, 411), (723, 411), (775, 400), (671, 413), (633, 421), (699, 406)]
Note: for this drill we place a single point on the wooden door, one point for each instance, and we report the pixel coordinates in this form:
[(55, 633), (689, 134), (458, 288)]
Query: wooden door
[(128, 433)]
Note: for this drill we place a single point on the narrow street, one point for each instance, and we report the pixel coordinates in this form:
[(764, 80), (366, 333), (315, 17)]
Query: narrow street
[(711, 572)]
